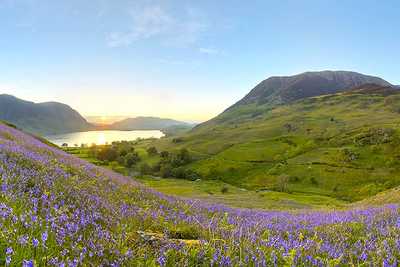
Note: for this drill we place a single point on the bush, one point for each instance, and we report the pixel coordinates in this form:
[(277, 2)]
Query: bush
[(145, 168), (107, 153), (164, 154), (177, 140), (182, 158), (224, 189), (131, 159), (152, 151), (192, 175), (179, 173), (313, 181), (166, 171), (282, 183)]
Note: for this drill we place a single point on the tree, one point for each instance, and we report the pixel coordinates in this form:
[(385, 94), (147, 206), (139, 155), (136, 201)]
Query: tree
[(164, 154), (145, 168), (152, 151), (282, 183), (166, 171), (313, 181), (107, 153), (131, 159), (182, 158), (177, 140), (224, 189), (93, 151)]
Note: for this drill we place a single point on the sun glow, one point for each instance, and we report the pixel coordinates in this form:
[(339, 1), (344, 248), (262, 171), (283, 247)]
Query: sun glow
[(101, 139)]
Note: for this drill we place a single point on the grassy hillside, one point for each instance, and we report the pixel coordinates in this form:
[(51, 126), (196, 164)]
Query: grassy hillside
[(344, 145), (57, 210), (388, 196)]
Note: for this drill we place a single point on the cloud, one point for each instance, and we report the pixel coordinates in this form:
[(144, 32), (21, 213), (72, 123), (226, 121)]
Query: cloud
[(209, 51), (155, 21)]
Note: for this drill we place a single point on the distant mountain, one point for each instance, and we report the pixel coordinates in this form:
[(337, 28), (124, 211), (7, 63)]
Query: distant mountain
[(280, 90), (104, 120), (285, 89), (41, 118), (146, 123)]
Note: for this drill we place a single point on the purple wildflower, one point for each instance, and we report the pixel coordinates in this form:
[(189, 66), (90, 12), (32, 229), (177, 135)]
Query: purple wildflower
[(27, 263), (35, 242)]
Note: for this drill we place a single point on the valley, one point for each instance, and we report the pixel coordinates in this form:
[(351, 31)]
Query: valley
[(158, 133), (342, 146), (57, 208), (323, 151)]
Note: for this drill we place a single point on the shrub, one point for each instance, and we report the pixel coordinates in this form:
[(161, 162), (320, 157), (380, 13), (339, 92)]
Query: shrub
[(131, 159), (177, 140), (166, 171), (107, 153), (224, 189), (313, 181), (282, 183), (192, 175), (152, 151), (145, 168), (179, 173), (182, 158), (164, 154)]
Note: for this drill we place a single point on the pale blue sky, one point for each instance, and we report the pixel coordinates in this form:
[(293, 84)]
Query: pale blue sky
[(184, 59)]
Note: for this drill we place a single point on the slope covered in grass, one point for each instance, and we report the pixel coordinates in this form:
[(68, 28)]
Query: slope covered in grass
[(57, 210), (389, 196), (343, 145)]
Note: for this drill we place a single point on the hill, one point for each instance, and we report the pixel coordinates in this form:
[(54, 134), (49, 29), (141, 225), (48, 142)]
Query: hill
[(282, 90), (57, 210), (41, 118), (146, 123), (341, 145)]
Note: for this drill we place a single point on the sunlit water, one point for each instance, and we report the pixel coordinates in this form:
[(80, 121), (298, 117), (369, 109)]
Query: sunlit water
[(100, 137)]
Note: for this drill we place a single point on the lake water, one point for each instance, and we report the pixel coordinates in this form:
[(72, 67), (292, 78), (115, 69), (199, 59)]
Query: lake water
[(101, 137)]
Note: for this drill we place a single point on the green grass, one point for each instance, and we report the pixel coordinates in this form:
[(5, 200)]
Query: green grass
[(238, 197)]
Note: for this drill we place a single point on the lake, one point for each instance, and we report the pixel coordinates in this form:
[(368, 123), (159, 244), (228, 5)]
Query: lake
[(100, 137)]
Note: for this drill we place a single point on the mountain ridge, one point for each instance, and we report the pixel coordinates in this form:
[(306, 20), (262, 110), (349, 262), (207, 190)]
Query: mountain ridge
[(279, 90), (284, 89), (146, 123), (41, 118)]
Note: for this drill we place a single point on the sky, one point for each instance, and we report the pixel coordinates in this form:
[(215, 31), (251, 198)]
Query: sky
[(186, 60)]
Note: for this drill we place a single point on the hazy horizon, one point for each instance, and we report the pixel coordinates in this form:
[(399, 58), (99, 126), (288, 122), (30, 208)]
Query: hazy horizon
[(183, 60)]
